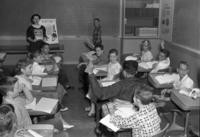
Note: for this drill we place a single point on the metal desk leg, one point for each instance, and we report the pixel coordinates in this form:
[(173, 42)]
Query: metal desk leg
[(186, 123)]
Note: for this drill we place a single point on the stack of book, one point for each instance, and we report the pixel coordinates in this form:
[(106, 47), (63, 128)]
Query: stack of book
[(147, 31)]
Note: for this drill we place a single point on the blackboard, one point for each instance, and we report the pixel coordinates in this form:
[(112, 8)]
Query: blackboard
[(186, 30), (74, 17)]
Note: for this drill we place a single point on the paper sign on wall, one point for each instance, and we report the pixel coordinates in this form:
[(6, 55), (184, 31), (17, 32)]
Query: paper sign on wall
[(51, 30)]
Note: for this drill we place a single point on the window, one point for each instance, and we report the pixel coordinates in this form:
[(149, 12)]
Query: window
[(141, 18)]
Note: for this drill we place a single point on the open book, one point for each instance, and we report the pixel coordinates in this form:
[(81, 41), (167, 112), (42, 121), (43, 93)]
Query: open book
[(44, 105)]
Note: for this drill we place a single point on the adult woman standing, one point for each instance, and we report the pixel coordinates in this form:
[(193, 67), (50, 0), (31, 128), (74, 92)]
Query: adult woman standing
[(35, 33)]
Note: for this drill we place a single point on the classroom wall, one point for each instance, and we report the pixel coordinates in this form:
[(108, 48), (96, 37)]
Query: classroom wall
[(186, 34), (186, 30)]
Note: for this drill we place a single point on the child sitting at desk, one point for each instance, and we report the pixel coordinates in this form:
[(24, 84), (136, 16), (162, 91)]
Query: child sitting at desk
[(163, 61), (99, 59), (114, 67), (145, 121), (24, 70), (57, 61), (38, 69), (113, 70), (146, 55), (182, 81), (18, 100)]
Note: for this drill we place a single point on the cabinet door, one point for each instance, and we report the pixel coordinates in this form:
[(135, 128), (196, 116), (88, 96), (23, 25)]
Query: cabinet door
[(166, 19)]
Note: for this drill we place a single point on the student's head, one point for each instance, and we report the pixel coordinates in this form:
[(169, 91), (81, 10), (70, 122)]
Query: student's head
[(24, 67), (129, 68), (35, 18), (145, 45), (96, 22), (8, 122), (143, 95), (36, 56), (113, 55), (183, 69), (7, 86), (45, 48), (164, 54), (99, 50)]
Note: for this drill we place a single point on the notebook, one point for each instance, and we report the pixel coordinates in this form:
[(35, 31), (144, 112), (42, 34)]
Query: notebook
[(46, 105), (49, 82)]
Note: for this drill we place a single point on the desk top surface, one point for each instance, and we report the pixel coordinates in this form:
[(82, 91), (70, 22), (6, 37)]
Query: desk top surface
[(155, 83), (184, 102), (40, 87)]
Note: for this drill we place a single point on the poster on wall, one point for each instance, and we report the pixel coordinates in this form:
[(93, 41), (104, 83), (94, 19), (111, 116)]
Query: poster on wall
[(51, 30), (166, 19)]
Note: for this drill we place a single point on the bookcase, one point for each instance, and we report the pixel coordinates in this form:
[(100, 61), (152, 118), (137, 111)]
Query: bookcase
[(141, 18)]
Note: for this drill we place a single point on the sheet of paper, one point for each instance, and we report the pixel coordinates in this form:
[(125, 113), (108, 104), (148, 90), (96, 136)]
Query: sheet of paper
[(103, 67), (106, 121), (46, 105), (147, 65), (107, 83), (166, 78), (49, 82), (35, 134), (36, 80)]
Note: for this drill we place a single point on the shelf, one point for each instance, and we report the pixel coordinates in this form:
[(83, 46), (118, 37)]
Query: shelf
[(141, 12)]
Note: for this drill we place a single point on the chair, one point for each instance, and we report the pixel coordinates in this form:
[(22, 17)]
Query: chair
[(162, 132)]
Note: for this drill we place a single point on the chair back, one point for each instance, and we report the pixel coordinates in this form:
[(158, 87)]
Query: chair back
[(162, 132)]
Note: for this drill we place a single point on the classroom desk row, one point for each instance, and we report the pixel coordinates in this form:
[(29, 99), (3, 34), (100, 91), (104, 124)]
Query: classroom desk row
[(185, 104), (48, 88)]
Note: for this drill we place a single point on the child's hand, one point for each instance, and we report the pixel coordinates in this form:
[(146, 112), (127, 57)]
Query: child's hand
[(10, 95), (90, 68), (165, 91), (154, 65)]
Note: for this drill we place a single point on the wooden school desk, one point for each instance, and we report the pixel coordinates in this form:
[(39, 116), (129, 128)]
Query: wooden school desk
[(42, 90), (186, 104)]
